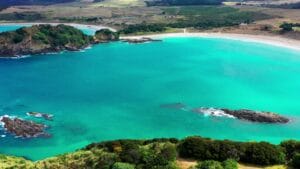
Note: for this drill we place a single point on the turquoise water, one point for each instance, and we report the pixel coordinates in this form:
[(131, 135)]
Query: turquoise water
[(114, 91)]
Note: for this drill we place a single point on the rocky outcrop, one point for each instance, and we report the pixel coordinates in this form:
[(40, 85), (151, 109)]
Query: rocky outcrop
[(23, 128), (105, 35), (257, 116), (244, 114), (140, 40)]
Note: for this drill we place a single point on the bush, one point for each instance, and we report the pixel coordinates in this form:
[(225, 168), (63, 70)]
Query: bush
[(286, 27), (119, 165), (256, 153), (290, 148), (209, 164), (230, 164), (263, 153)]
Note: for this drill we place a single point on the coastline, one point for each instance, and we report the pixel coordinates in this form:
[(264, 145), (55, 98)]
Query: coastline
[(270, 40), (76, 25)]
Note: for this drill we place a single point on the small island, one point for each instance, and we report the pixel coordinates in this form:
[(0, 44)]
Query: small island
[(39, 39)]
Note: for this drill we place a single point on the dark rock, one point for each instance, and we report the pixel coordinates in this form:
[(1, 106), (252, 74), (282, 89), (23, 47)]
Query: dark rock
[(23, 128), (257, 116), (244, 114)]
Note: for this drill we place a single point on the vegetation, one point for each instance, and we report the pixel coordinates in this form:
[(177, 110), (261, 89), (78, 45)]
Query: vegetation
[(287, 27), (42, 38), (105, 35), (162, 154), (180, 2), (28, 16), (198, 17)]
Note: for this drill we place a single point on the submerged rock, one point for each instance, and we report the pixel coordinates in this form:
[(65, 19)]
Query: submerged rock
[(40, 115), (23, 128), (244, 114), (173, 106)]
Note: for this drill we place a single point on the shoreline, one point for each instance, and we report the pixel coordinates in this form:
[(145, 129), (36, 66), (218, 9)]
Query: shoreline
[(274, 40), (269, 40), (76, 25)]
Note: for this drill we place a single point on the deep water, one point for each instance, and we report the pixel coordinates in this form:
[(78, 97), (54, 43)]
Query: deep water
[(114, 91)]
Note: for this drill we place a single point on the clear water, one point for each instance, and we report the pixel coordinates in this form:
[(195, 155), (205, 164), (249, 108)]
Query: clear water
[(114, 91)]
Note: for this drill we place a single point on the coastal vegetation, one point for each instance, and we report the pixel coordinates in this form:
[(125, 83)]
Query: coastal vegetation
[(47, 38), (198, 17), (163, 154)]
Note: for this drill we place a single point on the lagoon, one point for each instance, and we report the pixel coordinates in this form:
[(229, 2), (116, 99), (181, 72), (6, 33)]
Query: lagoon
[(114, 91)]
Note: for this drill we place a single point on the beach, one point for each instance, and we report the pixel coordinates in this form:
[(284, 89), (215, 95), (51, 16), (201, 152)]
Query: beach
[(270, 40)]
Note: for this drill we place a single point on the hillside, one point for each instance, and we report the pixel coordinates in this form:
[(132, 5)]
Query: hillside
[(32, 2), (168, 154), (42, 39)]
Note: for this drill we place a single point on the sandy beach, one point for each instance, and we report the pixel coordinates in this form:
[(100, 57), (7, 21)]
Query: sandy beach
[(270, 40)]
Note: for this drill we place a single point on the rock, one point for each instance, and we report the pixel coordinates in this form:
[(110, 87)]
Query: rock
[(140, 40), (257, 116), (105, 35), (40, 115), (23, 128), (244, 114)]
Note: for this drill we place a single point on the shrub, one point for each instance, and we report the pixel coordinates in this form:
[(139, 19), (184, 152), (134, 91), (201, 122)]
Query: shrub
[(286, 27), (119, 165), (290, 148), (230, 164), (263, 153)]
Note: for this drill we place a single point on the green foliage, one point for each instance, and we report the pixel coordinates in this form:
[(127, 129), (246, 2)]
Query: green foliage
[(143, 28), (291, 147), (296, 160), (230, 164), (119, 165), (287, 27), (263, 153), (206, 149)]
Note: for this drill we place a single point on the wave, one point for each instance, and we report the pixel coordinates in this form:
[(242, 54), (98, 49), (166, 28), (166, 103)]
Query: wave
[(213, 112)]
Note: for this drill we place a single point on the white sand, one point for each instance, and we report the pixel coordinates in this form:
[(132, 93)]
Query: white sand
[(271, 40)]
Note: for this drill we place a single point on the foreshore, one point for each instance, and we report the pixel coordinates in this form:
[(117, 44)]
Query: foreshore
[(270, 40)]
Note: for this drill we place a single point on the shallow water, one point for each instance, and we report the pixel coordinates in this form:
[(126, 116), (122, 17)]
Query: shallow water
[(114, 91)]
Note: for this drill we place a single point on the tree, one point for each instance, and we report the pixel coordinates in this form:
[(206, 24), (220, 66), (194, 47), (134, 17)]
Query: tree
[(286, 27)]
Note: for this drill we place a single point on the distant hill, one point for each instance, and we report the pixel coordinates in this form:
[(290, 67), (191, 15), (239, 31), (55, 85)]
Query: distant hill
[(6, 3), (182, 2)]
